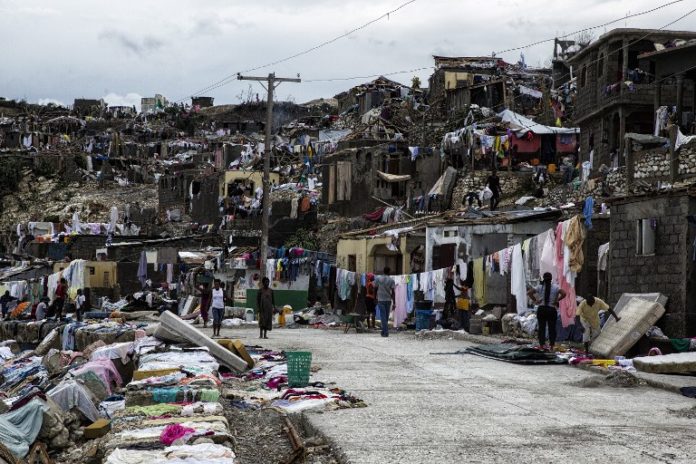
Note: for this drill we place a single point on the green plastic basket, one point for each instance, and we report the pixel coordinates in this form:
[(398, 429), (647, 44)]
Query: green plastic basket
[(299, 364)]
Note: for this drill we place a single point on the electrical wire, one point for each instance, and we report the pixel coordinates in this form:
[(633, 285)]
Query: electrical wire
[(338, 79), (590, 28), (233, 76), (517, 48)]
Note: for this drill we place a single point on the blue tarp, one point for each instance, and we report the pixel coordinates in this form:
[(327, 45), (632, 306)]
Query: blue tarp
[(19, 428)]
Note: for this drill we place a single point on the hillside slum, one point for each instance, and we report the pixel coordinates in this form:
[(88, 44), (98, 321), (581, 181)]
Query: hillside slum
[(116, 223)]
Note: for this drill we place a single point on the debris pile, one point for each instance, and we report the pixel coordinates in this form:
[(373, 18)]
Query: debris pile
[(100, 391)]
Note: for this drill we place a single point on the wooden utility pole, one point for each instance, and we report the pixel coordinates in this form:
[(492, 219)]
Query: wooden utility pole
[(272, 82)]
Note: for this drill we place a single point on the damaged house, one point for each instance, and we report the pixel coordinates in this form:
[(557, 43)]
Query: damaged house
[(618, 91), (459, 82), (652, 250), (358, 180)]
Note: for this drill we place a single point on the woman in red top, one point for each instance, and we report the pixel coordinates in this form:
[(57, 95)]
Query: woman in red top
[(370, 300), (59, 301)]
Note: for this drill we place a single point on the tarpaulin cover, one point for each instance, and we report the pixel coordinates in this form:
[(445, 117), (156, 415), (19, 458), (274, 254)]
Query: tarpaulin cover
[(520, 354), (646, 138), (521, 125), (393, 177), (202, 453), (19, 428)]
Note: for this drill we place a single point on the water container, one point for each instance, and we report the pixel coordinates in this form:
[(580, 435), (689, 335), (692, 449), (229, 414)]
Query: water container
[(249, 315), (425, 305), (423, 319)]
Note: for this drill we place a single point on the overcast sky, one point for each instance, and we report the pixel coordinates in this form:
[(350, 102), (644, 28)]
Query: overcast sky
[(122, 50)]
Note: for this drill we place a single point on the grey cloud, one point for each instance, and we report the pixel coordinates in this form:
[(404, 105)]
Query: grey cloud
[(132, 44), (215, 26), (381, 43)]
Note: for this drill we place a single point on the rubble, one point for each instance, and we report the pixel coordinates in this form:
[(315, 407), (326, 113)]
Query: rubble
[(615, 379), (111, 398)]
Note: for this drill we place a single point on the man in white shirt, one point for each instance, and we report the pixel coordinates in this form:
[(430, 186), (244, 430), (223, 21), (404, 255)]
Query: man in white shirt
[(80, 304), (217, 307)]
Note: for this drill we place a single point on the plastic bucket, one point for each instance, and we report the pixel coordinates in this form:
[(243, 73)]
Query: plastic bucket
[(423, 318), (425, 305)]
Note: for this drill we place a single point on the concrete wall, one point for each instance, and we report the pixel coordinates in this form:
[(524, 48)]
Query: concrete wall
[(98, 274), (371, 254), (478, 240), (666, 270), (366, 183), (255, 177), (204, 205)]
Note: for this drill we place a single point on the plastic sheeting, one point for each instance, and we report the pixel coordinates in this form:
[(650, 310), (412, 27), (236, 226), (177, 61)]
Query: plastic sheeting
[(393, 177), (19, 428), (72, 394), (204, 453), (521, 125)]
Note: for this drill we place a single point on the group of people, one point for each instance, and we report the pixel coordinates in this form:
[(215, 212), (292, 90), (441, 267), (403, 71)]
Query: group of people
[(47, 309), (547, 296), (380, 298), (491, 192), (213, 300)]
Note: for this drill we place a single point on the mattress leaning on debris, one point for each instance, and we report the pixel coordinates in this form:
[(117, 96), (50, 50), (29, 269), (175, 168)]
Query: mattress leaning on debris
[(677, 363), (636, 317)]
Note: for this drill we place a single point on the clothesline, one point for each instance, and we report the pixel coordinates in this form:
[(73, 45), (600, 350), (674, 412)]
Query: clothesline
[(394, 276), (431, 283), (557, 251)]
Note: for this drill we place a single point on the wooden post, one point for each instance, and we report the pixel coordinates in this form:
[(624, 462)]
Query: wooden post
[(673, 156), (630, 165)]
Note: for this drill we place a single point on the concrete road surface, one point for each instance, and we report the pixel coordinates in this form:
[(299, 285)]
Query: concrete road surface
[(428, 408)]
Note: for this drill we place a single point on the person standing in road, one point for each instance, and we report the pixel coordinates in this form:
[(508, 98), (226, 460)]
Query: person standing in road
[(385, 298), (547, 311), (59, 300), (217, 306), (370, 303), (80, 304), (5, 301), (265, 301), (206, 296), (450, 298), (588, 311)]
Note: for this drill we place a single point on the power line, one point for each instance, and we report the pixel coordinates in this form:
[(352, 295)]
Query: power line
[(590, 28), (338, 79), (597, 60), (226, 80)]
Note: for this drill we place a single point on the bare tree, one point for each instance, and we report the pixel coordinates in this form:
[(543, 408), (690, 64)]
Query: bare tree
[(584, 38)]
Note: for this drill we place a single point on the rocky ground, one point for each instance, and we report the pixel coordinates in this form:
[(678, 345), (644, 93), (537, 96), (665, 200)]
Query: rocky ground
[(42, 199), (261, 436)]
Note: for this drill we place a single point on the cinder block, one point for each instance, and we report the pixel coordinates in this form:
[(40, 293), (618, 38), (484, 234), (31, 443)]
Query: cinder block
[(97, 429)]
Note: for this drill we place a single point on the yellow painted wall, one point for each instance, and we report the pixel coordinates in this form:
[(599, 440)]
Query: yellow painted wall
[(452, 77), (364, 249), (101, 274), (253, 176)]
